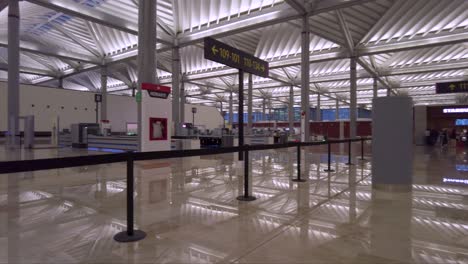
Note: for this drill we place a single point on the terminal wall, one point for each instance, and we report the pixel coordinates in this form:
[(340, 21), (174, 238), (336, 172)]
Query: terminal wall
[(79, 107)]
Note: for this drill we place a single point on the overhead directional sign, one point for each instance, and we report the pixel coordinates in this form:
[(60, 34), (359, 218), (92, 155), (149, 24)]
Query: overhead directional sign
[(452, 87), (235, 58)]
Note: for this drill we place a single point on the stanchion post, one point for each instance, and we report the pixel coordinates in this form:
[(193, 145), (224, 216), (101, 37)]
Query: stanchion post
[(130, 235), (362, 149), (246, 196), (329, 158), (298, 165), (349, 153)]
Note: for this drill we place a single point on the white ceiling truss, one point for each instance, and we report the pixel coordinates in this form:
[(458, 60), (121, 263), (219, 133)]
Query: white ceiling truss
[(408, 45)]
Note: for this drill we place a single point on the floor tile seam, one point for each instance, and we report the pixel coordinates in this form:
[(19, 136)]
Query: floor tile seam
[(291, 224)]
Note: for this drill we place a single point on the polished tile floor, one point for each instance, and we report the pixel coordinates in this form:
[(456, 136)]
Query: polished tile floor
[(189, 210)]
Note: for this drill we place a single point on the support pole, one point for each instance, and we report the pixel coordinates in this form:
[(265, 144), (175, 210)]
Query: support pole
[(60, 84), (349, 153), (246, 197), (249, 106), (298, 165), (375, 88), (131, 234), (305, 78), (362, 149), (329, 169), (240, 111), (146, 59), (182, 100), (104, 93), (337, 110), (318, 114), (176, 87), (97, 112), (264, 110), (231, 109), (291, 110), (353, 99), (13, 73)]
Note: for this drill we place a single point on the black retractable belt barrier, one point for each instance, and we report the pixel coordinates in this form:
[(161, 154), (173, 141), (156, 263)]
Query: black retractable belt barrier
[(329, 169), (246, 196), (349, 154), (298, 165), (130, 235)]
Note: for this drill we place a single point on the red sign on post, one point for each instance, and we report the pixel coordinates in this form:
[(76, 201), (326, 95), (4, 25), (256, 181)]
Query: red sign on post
[(156, 90)]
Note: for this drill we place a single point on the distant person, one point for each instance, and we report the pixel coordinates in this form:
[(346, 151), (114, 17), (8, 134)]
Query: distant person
[(444, 138), (427, 135)]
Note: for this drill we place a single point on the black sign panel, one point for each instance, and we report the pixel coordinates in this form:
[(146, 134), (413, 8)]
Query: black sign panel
[(452, 87), (98, 98), (156, 94), (232, 57)]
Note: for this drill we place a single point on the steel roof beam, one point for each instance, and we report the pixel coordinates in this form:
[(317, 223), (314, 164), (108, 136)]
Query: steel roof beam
[(448, 39), (53, 52), (345, 31), (66, 33), (296, 5), (28, 70), (259, 19), (98, 17)]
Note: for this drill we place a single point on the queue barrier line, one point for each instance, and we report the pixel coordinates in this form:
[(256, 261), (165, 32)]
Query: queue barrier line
[(132, 235)]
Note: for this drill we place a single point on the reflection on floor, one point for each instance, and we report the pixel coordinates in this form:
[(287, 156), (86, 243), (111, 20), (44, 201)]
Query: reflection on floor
[(189, 210)]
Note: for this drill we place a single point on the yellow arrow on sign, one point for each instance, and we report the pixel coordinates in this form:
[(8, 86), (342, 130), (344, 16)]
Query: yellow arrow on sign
[(214, 50), (452, 86)]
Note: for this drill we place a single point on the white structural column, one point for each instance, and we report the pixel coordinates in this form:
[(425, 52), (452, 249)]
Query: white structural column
[(182, 100), (318, 113), (231, 109), (291, 109), (146, 52), (337, 109), (305, 75), (375, 88), (264, 110), (13, 72), (353, 99), (270, 117), (249, 105), (104, 92), (176, 86)]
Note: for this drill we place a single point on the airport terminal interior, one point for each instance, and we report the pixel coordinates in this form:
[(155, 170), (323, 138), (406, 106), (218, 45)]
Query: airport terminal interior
[(234, 131)]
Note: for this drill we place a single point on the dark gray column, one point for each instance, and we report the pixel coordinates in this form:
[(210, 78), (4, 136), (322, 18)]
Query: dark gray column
[(146, 51), (176, 86), (249, 105), (353, 99), (291, 109), (305, 76), (104, 93), (13, 72)]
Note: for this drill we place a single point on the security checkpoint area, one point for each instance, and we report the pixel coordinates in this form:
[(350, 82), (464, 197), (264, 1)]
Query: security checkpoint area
[(233, 131)]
